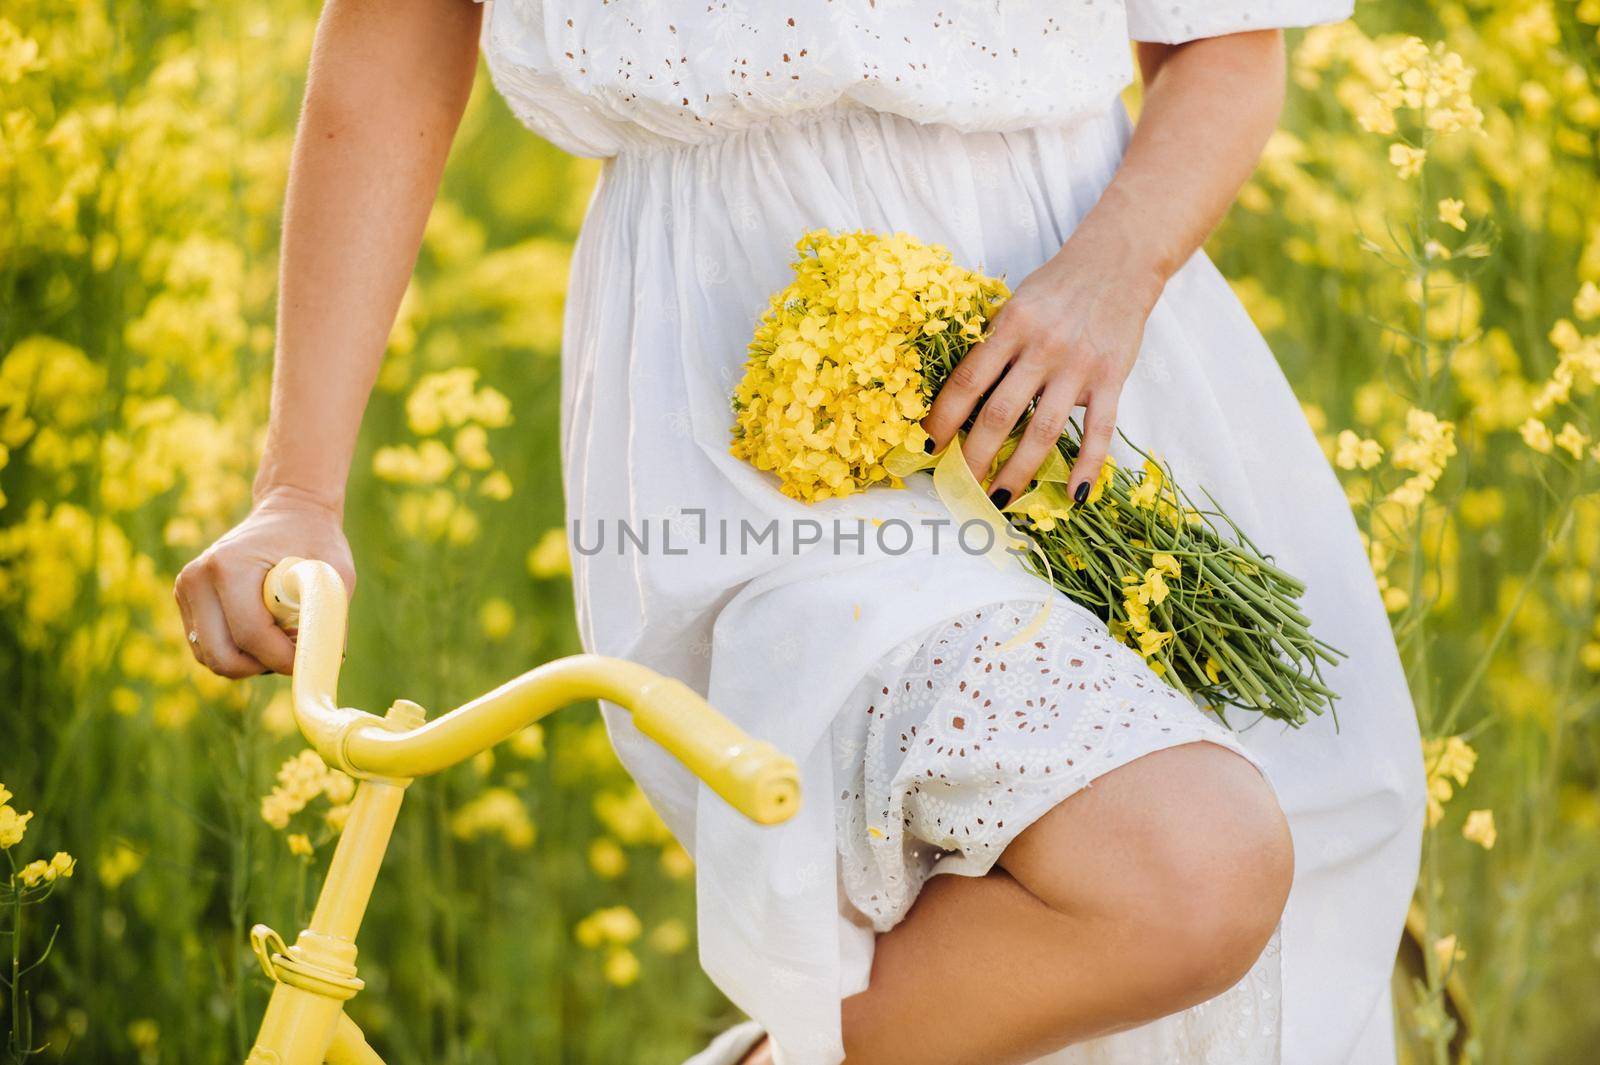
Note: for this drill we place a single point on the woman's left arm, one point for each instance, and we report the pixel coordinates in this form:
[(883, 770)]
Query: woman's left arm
[(1070, 333)]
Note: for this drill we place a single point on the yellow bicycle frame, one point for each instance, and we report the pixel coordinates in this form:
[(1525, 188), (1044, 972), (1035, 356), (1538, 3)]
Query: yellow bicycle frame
[(305, 1022)]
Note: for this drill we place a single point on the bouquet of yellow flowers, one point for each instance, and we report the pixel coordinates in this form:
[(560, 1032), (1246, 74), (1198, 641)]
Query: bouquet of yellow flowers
[(844, 366)]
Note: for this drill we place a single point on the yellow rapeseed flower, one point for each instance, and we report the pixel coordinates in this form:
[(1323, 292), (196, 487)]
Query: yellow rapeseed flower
[(607, 859), (1479, 828), (1450, 213), (13, 826), (1572, 440), (119, 864), (834, 376), (549, 557), (496, 618), (1449, 763), (1536, 434), (1355, 452), (1586, 304), (677, 864), (1406, 160), (1148, 492), (495, 812), (528, 742), (613, 925), (621, 967), (669, 937)]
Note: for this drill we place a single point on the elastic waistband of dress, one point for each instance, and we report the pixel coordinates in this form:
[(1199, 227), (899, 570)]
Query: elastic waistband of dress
[(646, 144)]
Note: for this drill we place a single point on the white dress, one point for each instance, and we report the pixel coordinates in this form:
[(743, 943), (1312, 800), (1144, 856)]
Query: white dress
[(730, 127)]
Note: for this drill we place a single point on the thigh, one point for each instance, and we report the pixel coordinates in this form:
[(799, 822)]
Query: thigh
[(1172, 825)]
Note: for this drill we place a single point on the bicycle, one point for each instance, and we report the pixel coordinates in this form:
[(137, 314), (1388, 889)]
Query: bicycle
[(305, 1022)]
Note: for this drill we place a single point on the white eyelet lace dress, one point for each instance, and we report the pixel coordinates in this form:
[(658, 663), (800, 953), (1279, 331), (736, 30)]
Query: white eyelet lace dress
[(852, 634)]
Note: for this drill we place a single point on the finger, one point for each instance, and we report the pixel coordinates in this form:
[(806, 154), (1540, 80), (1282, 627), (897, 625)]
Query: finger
[(983, 365), (250, 624), (1099, 420), (1000, 414), (1044, 429), (213, 644), (183, 603)]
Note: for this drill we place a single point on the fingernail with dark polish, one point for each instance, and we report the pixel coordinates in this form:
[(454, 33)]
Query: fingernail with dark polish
[(1081, 493), (1000, 497), (927, 446)]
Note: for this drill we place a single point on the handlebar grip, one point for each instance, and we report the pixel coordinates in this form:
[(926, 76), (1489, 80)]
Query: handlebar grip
[(752, 775), (281, 597)]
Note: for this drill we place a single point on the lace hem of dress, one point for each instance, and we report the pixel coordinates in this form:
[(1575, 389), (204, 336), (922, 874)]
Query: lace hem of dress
[(957, 745)]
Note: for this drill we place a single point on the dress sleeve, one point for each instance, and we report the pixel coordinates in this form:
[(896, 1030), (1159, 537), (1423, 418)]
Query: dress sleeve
[(1176, 21)]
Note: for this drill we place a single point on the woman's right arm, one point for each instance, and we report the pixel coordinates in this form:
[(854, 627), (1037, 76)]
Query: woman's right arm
[(388, 82)]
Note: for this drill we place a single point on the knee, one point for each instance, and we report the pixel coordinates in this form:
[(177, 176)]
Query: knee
[(1216, 887)]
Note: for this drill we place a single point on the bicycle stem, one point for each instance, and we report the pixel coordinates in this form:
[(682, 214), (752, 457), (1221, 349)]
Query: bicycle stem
[(751, 775)]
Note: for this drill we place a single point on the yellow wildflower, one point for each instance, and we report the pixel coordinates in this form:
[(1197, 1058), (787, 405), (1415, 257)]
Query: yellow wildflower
[(1152, 590), (118, 865), (1406, 160), (528, 742), (669, 937), (607, 859), (1356, 453), (1152, 642), (1479, 828), (676, 862), (497, 618), (336, 816), (1448, 951), (299, 844), (1572, 440), (1450, 213), (300, 780), (471, 446), (13, 826), (621, 967), (496, 486), (1424, 450), (1148, 491), (60, 866), (834, 377), (1536, 434), (1449, 763), (1103, 481), (1586, 304), (144, 1033), (549, 557), (495, 812), (451, 399), (614, 925), (629, 817)]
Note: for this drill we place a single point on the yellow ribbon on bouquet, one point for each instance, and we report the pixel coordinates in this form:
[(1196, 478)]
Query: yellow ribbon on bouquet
[(960, 491)]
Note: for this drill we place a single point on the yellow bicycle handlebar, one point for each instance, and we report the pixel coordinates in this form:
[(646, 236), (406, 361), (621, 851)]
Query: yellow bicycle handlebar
[(307, 599)]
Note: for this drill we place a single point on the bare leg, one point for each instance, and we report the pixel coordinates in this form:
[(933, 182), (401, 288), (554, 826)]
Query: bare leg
[(1149, 892)]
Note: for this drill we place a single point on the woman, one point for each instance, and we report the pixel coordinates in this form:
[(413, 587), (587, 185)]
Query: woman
[(1143, 919)]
